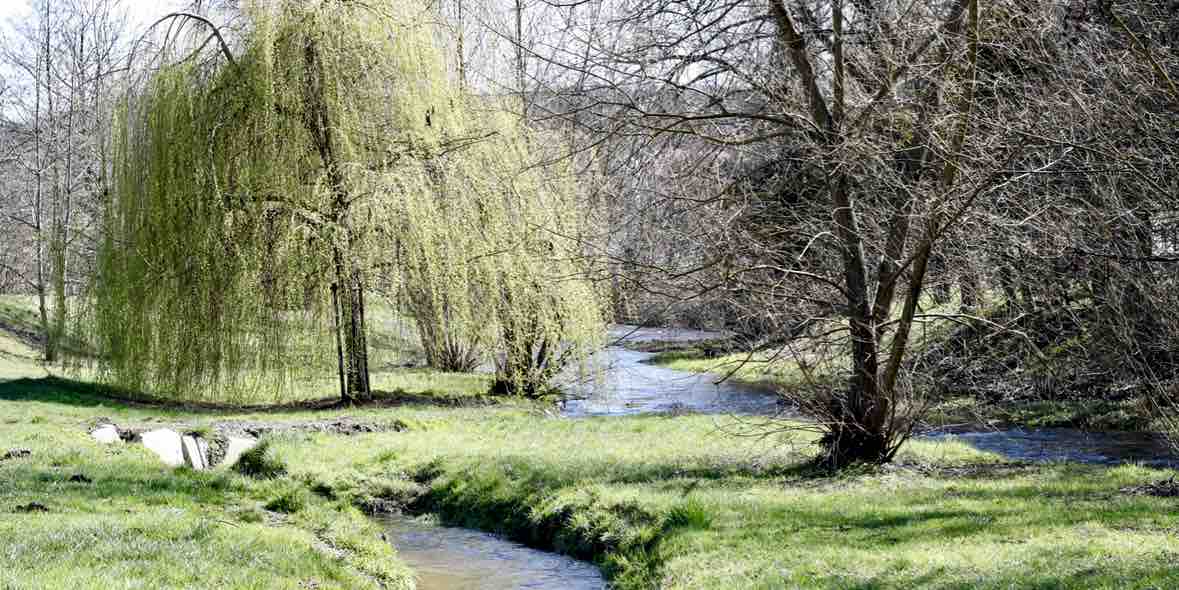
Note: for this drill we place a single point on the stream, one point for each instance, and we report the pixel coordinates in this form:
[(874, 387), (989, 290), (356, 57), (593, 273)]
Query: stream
[(448, 558), (1069, 444), (623, 382)]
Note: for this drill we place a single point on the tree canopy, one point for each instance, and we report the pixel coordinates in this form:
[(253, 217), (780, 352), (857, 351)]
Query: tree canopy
[(256, 202)]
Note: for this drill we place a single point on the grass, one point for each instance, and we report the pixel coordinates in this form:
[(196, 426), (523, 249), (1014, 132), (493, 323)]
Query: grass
[(674, 503), (783, 367), (755, 368), (669, 502), (779, 368), (76, 514), (659, 501), (391, 344), (18, 322), (769, 369)]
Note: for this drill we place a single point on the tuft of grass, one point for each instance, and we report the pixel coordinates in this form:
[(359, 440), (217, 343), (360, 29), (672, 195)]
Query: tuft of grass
[(690, 515), (289, 500), (202, 431), (261, 462)]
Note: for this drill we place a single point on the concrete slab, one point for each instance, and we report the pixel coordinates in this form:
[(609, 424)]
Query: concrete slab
[(193, 457), (166, 444), (106, 434)]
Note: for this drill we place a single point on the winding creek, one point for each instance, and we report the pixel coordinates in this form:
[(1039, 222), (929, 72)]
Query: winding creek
[(624, 383), (447, 558)]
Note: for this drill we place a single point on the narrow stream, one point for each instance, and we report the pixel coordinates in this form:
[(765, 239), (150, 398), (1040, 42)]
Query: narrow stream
[(622, 382), (447, 558), (1069, 444)]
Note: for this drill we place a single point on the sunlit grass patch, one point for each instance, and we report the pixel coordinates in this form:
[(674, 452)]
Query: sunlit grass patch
[(77, 514), (658, 501)]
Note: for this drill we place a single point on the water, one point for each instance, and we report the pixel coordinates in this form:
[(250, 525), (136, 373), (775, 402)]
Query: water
[(622, 381), (620, 333), (1067, 444), (445, 558), (630, 385), (626, 383)]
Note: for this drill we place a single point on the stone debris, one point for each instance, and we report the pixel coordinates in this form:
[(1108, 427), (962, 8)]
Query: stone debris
[(341, 426), (230, 439), (166, 444), (106, 434), (1167, 488), (32, 507)]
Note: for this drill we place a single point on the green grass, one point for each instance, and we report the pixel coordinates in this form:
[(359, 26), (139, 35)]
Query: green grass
[(755, 368), (674, 503), (670, 502), (667, 502), (783, 367), (114, 516), (18, 353), (770, 369)]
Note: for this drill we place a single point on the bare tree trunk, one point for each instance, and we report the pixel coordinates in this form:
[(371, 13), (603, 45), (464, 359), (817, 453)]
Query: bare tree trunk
[(462, 57), (341, 372), (39, 163), (521, 81)]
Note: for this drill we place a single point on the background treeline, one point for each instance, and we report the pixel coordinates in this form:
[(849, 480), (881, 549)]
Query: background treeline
[(904, 199)]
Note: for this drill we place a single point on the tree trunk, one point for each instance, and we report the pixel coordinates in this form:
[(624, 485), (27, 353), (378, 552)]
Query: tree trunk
[(859, 433), (349, 290)]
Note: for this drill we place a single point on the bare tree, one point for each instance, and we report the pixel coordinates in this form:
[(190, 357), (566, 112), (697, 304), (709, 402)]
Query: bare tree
[(65, 57)]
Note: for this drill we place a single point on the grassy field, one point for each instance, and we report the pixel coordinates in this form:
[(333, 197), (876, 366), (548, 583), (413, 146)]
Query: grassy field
[(76, 514), (780, 371), (659, 502)]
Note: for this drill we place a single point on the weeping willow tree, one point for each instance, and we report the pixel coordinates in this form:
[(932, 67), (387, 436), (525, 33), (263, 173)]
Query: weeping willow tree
[(256, 203), (489, 261)]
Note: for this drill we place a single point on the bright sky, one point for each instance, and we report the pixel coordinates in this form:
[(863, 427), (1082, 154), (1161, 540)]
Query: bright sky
[(142, 12)]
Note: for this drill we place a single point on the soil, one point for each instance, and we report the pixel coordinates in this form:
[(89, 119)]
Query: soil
[(1167, 488), (15, 454)]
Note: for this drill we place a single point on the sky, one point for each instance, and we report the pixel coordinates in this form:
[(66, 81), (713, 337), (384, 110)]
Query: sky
[(142, 12)]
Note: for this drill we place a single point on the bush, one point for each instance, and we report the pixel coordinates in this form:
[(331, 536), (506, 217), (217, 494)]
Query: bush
[(690, 515)]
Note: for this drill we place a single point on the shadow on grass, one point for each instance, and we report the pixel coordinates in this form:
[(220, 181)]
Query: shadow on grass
[(72, 392), (553, 507)]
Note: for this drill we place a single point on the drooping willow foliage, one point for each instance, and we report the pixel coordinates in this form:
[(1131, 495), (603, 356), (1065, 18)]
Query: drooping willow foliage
[(256, 205)]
